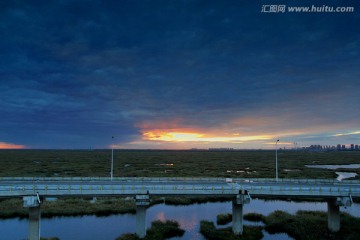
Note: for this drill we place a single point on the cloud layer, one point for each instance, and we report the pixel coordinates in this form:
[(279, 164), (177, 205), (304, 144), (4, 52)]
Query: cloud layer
[(75, 73)]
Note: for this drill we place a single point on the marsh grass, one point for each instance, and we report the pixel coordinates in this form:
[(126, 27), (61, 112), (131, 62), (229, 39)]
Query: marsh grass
[(79, 206), (311, 225), (170, 163), (159, 231), (223, 219), (183, 201), (210, 232), (304, 225), (162, 230), (128, 236), (254, 217), (10, 208)]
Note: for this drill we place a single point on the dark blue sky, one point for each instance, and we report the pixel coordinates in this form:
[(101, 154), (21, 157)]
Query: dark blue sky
[(177, 74)]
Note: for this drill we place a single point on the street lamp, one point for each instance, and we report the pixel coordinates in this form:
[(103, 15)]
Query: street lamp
[(276, 160), (112, 159)]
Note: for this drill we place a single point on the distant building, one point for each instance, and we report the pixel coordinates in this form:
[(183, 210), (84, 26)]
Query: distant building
[(221, 149), (352, 147), (356, 147)]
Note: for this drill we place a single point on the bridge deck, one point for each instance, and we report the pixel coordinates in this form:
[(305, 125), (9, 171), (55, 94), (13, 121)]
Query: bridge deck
[(61, 187)]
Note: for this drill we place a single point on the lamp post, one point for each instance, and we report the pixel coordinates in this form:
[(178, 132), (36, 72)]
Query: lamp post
[(112, 159), (276, 160)]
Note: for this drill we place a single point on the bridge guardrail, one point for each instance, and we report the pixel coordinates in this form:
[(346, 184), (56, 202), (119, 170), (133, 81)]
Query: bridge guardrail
[(296, 180), (189, 179), (194, 179), (23, 189)]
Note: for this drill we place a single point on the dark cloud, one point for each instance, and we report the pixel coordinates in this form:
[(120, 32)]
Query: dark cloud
[(80, 71)]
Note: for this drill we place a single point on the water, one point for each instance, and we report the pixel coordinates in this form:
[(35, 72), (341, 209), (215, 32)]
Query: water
[(333, 167), (341, 175), (189, 217), (345, 175)]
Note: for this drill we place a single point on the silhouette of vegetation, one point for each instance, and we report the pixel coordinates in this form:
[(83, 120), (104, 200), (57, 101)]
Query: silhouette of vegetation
[(223, 219), (254, 217), (10, 208), (159, 231), (311, 225), (210, 232), (304, 225)]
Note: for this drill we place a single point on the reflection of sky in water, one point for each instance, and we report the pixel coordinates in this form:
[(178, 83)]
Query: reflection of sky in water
[(186, 221), (333, 167), (189, 217), (160, 216), (345, 175)]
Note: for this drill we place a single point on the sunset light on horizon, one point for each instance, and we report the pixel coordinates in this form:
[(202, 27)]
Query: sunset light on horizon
[(198, 137), (4, 145)]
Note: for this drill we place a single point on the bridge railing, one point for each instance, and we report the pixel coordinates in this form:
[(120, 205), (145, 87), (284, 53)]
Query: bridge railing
[(188, 179), (296, 180), (160, 179), (176, 188)]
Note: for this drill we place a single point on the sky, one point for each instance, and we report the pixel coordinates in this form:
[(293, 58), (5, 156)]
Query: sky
[(178, 74)]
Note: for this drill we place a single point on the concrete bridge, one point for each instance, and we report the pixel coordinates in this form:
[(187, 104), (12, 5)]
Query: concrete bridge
[(34, 190)]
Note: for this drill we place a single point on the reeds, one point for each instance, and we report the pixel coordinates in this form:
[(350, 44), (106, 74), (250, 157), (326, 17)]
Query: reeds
[(304, 225), (159, 231), (156, 163)]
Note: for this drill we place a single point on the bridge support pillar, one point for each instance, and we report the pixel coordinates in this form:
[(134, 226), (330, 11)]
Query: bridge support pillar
[(333, 216), (142, 201), (237, 212), (334, 211), (237, 217), (33, 203)]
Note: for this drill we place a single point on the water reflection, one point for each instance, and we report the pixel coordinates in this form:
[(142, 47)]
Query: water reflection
[(341, 175), (160, 216), (345, 175), (333, 167), (189, 217)]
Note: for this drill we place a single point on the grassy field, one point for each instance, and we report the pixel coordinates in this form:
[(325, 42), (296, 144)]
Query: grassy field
[(145, 163)]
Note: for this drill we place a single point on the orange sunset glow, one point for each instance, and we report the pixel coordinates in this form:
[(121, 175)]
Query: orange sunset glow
[(156, 135), (4, 145)]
